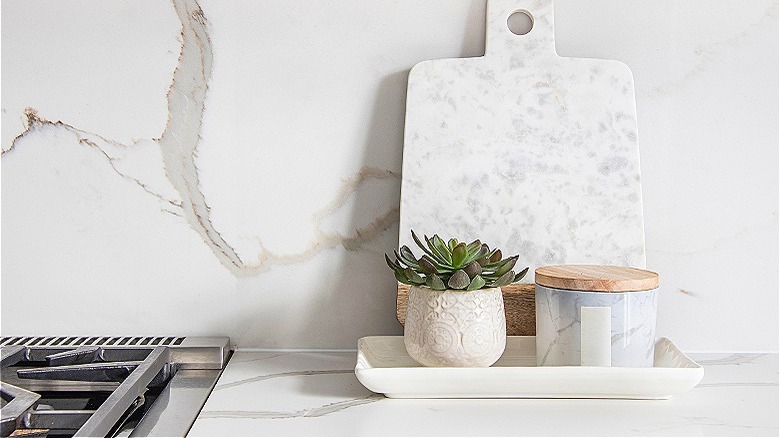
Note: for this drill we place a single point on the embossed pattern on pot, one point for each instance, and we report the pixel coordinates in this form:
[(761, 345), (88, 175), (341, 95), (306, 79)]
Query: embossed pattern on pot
[(455, 328)]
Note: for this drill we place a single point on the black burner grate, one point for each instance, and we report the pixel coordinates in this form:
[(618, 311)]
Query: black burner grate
[(97, 385), (78, 341)]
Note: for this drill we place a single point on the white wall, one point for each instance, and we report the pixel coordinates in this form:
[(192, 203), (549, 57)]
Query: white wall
[(300, 155)]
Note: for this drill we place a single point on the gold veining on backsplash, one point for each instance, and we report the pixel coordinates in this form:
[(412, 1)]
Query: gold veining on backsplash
[(180, 139), (110, 159), (35, 122), (178, 145), (322, 240)]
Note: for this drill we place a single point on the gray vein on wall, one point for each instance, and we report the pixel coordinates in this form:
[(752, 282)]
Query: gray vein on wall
[(307, 413)]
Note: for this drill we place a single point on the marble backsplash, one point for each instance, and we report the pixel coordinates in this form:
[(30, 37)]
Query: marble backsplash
[(233, 167)]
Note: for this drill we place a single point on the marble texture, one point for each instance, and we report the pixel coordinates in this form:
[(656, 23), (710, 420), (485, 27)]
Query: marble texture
[(453, 328), (531, 152), (316, 393), (299, 161), (559, 325)]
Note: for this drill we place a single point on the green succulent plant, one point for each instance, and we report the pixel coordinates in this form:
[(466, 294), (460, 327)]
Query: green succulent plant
[(453, 265)]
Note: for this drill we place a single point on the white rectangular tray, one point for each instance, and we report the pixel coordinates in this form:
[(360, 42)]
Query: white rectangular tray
[(383, 366)]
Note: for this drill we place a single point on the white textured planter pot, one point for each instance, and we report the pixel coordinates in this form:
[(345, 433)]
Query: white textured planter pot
[(455, 328)]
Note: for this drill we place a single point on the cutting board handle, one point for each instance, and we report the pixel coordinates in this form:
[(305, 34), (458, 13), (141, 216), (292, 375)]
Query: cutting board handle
[(500, 41)]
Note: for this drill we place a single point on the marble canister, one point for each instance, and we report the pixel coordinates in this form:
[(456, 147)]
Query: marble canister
[(627, 302)]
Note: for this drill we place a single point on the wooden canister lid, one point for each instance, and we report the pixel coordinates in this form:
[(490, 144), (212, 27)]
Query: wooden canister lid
[(595, 278)]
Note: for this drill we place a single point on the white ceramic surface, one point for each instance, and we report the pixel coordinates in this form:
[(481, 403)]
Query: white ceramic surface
[(304, 113), (453, 328), (384, 366), (533, 152), (559, 328)]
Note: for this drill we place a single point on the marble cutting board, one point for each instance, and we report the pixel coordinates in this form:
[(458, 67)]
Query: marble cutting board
[(531, 152)]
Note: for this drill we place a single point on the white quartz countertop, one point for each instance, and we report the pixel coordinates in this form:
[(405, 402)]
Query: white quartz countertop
[(316, 393)]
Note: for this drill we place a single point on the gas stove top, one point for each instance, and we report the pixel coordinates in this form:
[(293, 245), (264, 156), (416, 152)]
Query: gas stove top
[(106, 386)]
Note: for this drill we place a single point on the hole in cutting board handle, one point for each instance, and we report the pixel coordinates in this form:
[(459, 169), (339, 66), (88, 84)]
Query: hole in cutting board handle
[(520, 22)]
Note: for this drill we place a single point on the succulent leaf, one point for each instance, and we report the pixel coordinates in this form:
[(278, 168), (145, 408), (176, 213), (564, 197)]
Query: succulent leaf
[(440, 268), (498, 265), (436, 254), (459, 280), (520, 275), (459, 254), (434, 282), (505, 279), (453, 264), (506, 265), (476, 283), (413, 276), (484, 250), (399, 275), (474, 247), (398, 260), (442, 248), (390, 263), (473, 269), (407, 256), (427, 265), (490, 254), (490, 266), (481, 253), (420, 244)]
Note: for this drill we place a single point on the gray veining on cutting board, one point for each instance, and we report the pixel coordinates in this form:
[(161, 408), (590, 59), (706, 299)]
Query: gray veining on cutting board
[(534, 153)]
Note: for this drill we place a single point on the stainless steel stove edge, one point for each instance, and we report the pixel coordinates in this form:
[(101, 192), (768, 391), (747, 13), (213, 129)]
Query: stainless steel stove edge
[(195, 352), (199, 361), (201, 353)]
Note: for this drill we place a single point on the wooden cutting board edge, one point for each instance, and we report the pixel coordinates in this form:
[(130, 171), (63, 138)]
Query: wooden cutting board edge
[(519, 305)]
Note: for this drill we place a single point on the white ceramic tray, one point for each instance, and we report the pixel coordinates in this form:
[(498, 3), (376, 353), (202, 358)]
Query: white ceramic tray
[(383, 366)]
